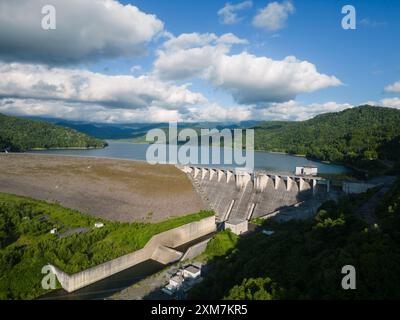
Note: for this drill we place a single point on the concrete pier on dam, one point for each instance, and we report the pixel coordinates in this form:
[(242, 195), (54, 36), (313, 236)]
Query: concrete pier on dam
[(236, 194)]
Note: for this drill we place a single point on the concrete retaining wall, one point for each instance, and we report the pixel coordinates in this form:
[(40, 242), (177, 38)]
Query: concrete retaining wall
[(171, 238), (166, 255), (195, 250)]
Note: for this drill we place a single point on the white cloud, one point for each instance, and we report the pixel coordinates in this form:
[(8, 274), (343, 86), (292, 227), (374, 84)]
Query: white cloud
[(230, 38), (388, 103), (290, 110), (86, 30), (274, 16), (250, 79), (253, 79), (213, 112), (393, 88), (193, 40), (86, 112), (229, 13), (74, 85), (391, 103), (293, 110), (190, 54)]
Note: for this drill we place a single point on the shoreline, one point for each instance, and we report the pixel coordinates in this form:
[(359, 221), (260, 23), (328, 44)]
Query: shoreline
[(75, 156), (63, 148), (89, 156)]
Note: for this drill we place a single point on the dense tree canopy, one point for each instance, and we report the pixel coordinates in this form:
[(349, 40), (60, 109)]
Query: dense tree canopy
[(355, 136), (18, 134), (26, 244), (304, 259)]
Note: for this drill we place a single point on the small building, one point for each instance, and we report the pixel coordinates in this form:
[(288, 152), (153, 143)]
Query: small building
[(53, 231), (306, 171), (191, 272), (99, 225), (176, 281), (237, 226)]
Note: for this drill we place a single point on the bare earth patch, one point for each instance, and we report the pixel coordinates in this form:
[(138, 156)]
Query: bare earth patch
[(119, 190)]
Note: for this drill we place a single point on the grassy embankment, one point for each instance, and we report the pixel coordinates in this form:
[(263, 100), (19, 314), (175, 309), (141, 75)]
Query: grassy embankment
[(26, 244)]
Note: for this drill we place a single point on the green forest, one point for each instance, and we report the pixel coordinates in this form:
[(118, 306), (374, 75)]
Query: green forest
[(304, 259), (26, 244), (19, 135), (361, 137)]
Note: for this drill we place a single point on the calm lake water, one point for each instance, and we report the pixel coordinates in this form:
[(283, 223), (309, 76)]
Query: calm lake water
[(275, 162)]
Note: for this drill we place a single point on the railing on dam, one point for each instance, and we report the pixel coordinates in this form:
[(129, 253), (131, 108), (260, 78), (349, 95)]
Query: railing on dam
[(160, 248)]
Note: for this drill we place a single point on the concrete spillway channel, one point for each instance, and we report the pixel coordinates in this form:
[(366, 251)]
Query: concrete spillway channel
[(164, 248)]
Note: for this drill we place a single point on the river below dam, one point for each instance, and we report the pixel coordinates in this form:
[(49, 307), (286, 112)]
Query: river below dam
[(275, 162)]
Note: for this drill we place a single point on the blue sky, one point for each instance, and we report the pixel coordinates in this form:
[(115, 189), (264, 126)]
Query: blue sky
[(365, 59), (335, 68)]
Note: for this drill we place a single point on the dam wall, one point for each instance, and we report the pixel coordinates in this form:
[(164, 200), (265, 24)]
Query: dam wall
[(160, 247), (241, 195)]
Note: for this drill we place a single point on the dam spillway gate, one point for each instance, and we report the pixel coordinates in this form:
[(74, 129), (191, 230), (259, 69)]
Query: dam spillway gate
[(237, 194)]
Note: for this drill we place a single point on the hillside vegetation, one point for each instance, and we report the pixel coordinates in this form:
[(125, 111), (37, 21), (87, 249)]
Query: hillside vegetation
[(358, 136), (26, 244), (304, 259), (20, 135)]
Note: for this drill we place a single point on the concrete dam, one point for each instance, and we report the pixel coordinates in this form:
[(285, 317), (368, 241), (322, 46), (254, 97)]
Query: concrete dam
[(236, 194)]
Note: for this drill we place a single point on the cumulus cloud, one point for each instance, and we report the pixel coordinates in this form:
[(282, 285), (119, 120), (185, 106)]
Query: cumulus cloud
[(274, 16), (86, 30), (195, 39), (74, 85), (391, 103), (190, 54), (253, 79), (250, 79), (393, 88), (86, 112), (213, 112), (295, 111), (290, 111), (229, 13)]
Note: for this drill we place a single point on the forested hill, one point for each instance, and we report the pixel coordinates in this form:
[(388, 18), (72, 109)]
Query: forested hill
[(18, 134), (354, 135)]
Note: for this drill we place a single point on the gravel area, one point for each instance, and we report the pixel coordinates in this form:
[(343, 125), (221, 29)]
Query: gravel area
[(120, 190)]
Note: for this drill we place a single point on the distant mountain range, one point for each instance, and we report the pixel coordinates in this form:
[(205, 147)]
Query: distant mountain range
[(137, 131)]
